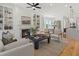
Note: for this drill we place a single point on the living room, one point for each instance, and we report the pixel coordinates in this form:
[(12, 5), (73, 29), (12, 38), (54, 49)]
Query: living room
[(38, 29)]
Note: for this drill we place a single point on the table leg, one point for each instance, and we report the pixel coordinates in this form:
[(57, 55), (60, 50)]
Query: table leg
[(49, 39), (36, 45)]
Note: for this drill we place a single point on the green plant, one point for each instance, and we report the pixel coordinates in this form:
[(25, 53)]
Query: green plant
[(33, 30)]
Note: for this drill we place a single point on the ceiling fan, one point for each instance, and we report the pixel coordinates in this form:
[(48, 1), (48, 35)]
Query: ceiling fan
[(34, 5)]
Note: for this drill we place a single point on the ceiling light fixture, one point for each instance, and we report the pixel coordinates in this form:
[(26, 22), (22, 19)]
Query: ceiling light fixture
[(34, 6)]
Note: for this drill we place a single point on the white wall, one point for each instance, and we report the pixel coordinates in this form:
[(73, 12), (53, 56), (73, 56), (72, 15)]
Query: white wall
[(17, 13), (17, 24)]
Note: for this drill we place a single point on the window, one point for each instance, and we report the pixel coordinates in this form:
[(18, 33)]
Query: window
[(48, 22)]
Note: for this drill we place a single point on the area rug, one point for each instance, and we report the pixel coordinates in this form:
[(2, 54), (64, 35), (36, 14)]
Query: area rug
[(53, 49)]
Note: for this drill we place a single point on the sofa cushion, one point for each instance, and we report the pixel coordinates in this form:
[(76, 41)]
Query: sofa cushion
[(1, 46)]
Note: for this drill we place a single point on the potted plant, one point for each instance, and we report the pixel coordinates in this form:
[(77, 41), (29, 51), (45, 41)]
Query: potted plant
[(33, 30)]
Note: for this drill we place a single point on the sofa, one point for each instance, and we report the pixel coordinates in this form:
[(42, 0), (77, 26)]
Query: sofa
[(19, 48)]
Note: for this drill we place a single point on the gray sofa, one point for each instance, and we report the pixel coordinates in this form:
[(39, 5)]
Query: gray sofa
[(19, 48)]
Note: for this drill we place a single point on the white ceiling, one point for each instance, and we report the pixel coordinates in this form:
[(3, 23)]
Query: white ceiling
[(53, 9)]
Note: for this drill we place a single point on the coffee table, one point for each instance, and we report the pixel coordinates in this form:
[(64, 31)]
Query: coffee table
[(38, 38)]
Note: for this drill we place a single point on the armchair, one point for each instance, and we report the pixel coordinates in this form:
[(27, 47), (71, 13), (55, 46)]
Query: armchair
[(55, 35)]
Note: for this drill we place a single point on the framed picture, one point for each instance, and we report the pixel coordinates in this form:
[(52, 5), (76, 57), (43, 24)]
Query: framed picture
[(26, 20), (1, 15), (8, 25), (1, 21), (1, 26)]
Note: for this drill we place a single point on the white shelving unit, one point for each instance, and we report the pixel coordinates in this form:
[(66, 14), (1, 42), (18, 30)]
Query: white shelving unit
[(36, 21), (1, 18), (6, 18)]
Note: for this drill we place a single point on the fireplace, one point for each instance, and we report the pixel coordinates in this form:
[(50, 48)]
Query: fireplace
[(25, 33)]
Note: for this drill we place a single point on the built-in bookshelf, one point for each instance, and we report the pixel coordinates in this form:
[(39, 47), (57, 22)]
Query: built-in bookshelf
[(1, 17), (36, 21), (6, 18)]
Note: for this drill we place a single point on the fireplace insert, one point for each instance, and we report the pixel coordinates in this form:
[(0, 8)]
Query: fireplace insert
[(25, 33)]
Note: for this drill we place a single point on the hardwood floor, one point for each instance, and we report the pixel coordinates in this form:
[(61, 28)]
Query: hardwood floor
[(44, 51), (72, 49), (52, 49)]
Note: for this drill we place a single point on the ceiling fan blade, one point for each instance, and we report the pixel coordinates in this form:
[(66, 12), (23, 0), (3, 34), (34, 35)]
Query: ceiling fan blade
[(29, 4), (36, 4), (38, 7)]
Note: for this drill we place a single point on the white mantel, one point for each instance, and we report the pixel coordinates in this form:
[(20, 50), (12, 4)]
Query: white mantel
[(25, 26)]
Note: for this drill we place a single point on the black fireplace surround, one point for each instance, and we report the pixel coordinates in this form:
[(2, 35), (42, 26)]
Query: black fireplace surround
[(25, 33)]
